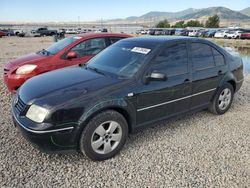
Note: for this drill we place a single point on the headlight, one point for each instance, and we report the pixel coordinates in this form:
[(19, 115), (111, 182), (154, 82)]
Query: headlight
[(36, 113), (25, 69)]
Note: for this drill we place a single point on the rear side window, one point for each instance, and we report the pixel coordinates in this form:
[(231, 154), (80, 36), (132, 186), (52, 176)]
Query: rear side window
[(114, 40), (202, 56), (218, 58), (172, 61)]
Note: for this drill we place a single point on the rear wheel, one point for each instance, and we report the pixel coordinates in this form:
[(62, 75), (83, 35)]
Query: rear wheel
[(222, 100), (104, 136)]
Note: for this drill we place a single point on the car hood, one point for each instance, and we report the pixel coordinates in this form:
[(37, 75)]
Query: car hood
[(26, 59), (59, 86)]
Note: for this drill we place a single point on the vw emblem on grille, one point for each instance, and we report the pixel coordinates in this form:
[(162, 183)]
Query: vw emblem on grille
[(16, 100)]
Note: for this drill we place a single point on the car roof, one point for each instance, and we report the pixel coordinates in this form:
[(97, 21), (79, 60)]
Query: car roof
[(94, 35), (163, 39)]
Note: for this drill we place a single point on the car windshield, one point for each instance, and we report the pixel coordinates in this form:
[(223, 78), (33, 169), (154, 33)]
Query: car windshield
[(122, 60), (222, 31), (58, 46), (179, 30)]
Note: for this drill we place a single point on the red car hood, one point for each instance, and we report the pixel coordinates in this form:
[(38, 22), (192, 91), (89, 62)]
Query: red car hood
[(26, 59)]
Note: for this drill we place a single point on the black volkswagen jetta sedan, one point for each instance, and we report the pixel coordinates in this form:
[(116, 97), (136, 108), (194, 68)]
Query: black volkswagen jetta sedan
[(128, 86)]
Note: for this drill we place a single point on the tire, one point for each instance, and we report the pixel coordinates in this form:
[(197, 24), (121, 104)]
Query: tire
[(104, 136), (224, 95)]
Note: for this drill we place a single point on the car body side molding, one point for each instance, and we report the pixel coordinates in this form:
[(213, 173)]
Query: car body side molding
[(189, 96)]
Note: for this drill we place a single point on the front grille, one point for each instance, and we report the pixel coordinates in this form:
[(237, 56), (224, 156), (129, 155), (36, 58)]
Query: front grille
[(20, 106), (5, 71)]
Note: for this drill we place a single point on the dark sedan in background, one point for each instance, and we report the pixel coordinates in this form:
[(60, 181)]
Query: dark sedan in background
[(128, 86)]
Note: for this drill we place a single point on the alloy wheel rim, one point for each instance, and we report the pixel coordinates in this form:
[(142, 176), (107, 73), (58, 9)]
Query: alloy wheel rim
[(106, 137), (225, 99)]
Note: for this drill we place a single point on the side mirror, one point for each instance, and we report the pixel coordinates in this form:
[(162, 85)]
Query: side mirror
[(156, 76), (71, 55)]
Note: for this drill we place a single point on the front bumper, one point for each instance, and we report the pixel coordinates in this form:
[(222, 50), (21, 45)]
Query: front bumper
[(232, 36), (13, 82), (56, 140)]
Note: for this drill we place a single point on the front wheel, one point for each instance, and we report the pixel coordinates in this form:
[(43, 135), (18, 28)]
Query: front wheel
[(222, 100), (104, 136)]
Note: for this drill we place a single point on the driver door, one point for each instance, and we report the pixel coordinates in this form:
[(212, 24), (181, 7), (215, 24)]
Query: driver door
[(84, 52), (164, 98)]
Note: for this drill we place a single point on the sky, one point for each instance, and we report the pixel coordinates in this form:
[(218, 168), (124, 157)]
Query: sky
[(92, 10)]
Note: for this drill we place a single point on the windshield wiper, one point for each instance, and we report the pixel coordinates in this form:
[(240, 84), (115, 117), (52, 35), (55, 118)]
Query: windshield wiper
[(83, 65), (96, 70), (44, 52)]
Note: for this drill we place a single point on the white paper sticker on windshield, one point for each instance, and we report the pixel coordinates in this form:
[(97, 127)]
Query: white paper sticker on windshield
[(77, 38), (141, 50)]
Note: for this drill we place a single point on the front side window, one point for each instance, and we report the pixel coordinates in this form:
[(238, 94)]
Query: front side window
[(89, 47), (172, 61), (202, 56)]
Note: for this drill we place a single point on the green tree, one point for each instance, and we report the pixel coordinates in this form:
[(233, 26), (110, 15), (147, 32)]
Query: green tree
[(194, 23), (163, 24), (179, 24), (213, 22)]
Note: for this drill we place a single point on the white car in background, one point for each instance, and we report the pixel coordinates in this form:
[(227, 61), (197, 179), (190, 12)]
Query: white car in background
[(17, 31), (71, 31), (28, 33), (221, 34), (234, 34), (194, 32), (142, 32)]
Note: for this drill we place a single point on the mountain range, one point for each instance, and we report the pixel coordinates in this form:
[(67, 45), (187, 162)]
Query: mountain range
[(246, 11), (199, 14)]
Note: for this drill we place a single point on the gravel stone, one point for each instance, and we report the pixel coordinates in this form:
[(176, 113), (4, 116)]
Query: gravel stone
[(198, 150)]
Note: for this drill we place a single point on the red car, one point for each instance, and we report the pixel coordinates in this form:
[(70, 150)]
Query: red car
[(70, 51), (2, 34), (245, 36)]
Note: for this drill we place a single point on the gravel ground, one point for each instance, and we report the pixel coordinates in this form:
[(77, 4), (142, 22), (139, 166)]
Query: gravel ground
[(201, 150)]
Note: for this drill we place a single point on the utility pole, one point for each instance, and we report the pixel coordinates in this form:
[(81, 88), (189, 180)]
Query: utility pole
[(101, 22), (78, 21)]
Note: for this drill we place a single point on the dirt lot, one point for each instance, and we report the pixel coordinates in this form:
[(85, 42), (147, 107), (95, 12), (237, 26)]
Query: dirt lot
[(199, 150)]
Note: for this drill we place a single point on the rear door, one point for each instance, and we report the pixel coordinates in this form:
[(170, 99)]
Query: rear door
[(161, 99), (208, 68)]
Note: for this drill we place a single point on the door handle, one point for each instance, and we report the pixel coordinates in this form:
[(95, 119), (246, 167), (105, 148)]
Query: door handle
[(186, 81), (220, 72)]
